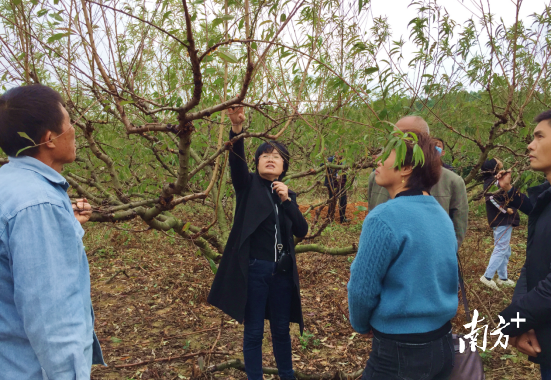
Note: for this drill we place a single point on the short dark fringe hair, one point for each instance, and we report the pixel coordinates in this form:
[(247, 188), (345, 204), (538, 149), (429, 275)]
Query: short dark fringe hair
[(33, 110), (269, 147), (545, 115), (424, 177)]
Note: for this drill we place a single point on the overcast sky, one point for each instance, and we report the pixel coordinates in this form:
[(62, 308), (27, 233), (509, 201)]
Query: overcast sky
[(399, 14)]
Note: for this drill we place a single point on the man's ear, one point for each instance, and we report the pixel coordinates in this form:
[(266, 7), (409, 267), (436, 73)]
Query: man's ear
[(443, 152), (47, 141)]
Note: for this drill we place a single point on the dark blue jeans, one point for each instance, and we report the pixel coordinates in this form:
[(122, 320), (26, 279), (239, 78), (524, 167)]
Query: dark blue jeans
[(392, 360), (265, 287), (545, 372)]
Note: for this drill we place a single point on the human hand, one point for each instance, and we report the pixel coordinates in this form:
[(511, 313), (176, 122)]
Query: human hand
[(237, 117), (282, 190), (82, 210), (504, 179), (526, 343)]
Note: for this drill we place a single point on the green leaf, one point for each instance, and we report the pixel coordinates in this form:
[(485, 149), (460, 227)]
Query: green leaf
[(401, 151), (165, 16), (371, 70), (56, 16), (186, 227), (361, 208), (124, 102), (21, 150), (217, 21), (56, 2), (42, 12), (114, 339), (210, 70), (254, 46), (26, 136), (213, 266), (57, 37), (283, 17), (227, 17), (34, 2), (360, 5), (16, 2), (226, 56)]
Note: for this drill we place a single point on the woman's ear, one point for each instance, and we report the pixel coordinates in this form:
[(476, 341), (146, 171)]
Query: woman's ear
[(406, 170)]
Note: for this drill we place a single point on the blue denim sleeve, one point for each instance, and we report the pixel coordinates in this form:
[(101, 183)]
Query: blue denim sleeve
[(48, 274)]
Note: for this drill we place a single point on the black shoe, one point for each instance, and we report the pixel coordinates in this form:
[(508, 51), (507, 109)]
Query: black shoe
[(345, 220)]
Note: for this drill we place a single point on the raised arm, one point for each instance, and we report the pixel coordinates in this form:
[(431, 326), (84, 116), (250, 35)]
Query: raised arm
[(238, 163), (514, 197)]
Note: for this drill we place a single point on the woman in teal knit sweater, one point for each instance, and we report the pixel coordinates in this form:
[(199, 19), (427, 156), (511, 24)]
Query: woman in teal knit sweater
[(403, 282)]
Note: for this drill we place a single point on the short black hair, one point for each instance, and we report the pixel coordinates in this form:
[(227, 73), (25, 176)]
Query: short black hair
[(269, 147), (545, 115), (441, 140), (33, 110)]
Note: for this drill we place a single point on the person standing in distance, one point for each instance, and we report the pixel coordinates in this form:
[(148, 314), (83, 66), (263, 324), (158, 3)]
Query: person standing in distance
[(257, 277), (336, 185), (450, 190), (501, 220), (46, 316)]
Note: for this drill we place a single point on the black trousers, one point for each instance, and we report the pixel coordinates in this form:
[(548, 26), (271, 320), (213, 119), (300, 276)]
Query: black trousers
[(343, 200)]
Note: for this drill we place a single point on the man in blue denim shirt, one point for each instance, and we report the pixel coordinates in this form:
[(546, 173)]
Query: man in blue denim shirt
[(46, 316)]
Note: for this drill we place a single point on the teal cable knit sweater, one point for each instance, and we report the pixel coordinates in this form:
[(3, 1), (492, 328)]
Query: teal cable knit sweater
[(404, 277)]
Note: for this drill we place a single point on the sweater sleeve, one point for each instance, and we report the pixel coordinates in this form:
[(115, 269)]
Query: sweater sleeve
[(377, 249)]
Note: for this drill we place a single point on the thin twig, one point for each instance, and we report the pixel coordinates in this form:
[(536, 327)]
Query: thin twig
[(187, 356)]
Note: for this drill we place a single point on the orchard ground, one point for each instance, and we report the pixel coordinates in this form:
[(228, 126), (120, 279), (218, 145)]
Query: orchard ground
[(149, 291)]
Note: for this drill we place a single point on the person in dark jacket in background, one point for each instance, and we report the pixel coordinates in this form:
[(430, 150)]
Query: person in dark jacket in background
[(532, 298), (501, 219), (251, 283), (335, 184)]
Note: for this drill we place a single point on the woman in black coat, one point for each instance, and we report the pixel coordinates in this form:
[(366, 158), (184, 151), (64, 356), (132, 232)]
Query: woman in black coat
[(257, 277)]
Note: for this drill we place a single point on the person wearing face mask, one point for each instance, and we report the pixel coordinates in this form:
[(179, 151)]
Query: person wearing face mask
[(501, 219), (257, 277), (403, 281)]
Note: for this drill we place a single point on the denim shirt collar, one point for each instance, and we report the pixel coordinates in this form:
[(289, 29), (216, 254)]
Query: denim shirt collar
[(32, 164)]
